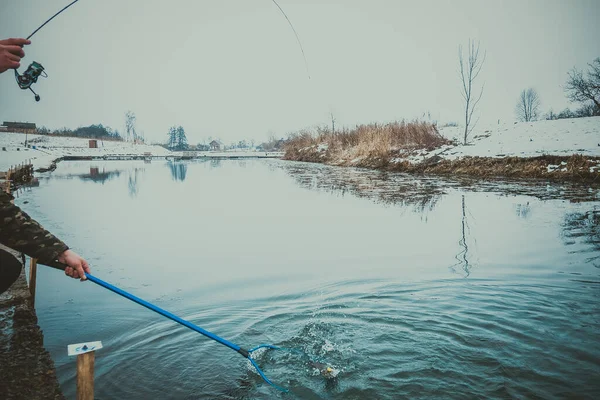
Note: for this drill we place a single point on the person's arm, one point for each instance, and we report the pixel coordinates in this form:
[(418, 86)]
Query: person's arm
[(19, 232)]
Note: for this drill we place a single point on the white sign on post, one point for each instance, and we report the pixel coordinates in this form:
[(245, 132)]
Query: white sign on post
[(82, 348)]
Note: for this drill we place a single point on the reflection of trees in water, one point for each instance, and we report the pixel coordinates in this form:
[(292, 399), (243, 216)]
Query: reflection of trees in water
[(420, 193), (523, 210), (215, 162), (381, 187), (95, 175), (133, 181), (100, 175), (572, 191), (584, 227), (423, 191), (178, 170), (463, 257)]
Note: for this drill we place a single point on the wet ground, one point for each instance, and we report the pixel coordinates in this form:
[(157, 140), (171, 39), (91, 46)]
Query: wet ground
[(26, 368)]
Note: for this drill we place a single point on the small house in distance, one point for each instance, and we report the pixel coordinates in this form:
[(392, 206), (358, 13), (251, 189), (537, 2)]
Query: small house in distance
[(215, 146), (25, 127), (93, 144)]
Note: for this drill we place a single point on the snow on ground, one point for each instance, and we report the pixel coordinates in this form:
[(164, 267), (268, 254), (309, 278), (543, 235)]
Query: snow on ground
[(562, 137), (49, 148)]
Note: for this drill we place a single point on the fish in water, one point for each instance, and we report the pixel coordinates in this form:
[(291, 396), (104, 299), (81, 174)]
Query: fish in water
[(325, 370)]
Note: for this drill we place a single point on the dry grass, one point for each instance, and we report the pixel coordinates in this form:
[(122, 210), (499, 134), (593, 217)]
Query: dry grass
[(376, 145), (372, 141)]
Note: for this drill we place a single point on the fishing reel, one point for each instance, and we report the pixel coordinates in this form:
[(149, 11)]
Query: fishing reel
[(30, 76)]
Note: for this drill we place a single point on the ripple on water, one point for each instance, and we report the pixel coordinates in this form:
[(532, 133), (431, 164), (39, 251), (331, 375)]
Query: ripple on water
[(448, 339)]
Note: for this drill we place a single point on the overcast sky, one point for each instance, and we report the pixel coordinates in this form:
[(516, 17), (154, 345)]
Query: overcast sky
[(233, 68)]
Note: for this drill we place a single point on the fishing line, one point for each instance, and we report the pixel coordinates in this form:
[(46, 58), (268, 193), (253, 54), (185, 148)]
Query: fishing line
[(50, 19), (297, 37)]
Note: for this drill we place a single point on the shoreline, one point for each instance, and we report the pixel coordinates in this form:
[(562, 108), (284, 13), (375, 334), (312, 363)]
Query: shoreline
[(26, 367), (557, 150), (574, 168), (45, 151)]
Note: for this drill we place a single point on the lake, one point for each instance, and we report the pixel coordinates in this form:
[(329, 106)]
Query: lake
[(408, 287)]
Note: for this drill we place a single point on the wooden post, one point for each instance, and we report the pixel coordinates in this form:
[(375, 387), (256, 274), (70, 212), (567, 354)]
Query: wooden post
[(32, 279), (7, 184), (85, 376), (85, 367), (7, 187)]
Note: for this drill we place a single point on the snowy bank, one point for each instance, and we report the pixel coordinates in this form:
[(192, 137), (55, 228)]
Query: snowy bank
[(566, 149), (561, 137), (45, 149)]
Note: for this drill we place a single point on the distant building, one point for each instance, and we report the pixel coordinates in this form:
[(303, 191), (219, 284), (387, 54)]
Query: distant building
[(93, 144), (215, 146), (25, 127)]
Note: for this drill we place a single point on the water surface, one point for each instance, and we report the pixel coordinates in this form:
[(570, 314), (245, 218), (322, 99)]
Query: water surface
[(409, 287)]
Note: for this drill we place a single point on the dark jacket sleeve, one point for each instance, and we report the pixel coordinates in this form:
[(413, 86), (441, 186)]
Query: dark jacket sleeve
[(19, 232)]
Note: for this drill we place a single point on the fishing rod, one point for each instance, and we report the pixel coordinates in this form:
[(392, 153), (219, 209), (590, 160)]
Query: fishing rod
[(245, 353), (35, 69)]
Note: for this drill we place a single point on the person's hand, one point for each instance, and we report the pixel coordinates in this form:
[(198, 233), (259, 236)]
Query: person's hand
[(76, 265), (11, 52)]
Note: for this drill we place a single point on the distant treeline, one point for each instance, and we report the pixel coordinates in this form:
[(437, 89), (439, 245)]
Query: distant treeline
[(93, 131), (586, 110)]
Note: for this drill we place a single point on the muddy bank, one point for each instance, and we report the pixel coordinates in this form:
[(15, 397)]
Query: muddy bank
[(26, 369), (575, 168)]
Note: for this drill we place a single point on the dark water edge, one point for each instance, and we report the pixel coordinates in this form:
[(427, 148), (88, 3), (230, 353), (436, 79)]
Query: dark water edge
[(408, 286), (26, 368)]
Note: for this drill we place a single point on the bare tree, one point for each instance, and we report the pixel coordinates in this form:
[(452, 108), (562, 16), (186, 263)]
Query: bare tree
[(588, 109), (550, 115), (469, 70), (332, 123), (130, 126), (272, 142), (528, 106), (584, 89)]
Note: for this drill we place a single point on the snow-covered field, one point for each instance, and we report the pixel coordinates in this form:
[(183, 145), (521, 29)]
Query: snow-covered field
[(45, 149), (563, 137), (49, 148)]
